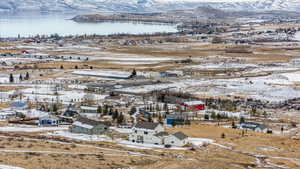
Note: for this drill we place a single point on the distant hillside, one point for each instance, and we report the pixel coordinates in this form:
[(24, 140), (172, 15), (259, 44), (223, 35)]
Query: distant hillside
[(13, 6)]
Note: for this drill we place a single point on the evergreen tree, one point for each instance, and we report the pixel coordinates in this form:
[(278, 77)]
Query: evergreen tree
[(54, 108), (213, 115), (99, 109), (160, 119), (21, 77), (219, 116), (134, 72), (110, 111), (105, 111), (11, 78), (233, 125), (166, 107), (157, 107), (27, 76), (151, 108), (133, 110), (223, 135), (242, 120), (206, 117), (115, 114), (120, 118)]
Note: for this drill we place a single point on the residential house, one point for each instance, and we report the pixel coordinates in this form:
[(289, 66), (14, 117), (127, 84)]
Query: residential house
[(49, 120), (70, 113), (161, 136), (258, 127), (87, 126), (178, 139), (7, 115), (193, 105), (176, 119), (19, 105), (145, 132), (153, 133), (168, 74), (88, 109)]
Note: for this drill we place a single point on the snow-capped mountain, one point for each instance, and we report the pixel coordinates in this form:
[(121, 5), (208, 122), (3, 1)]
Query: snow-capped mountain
[(145, 5)]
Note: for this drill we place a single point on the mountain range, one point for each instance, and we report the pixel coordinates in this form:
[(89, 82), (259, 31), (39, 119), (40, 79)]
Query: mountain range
[(13, 6)]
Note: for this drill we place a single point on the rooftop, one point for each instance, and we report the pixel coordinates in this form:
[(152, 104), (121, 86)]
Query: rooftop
[(180, 135), (146, 125)]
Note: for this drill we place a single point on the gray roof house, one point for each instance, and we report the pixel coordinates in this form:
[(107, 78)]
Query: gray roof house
[(177, 139), (180, 135), (146, 125), (258, 127), (88, 126)]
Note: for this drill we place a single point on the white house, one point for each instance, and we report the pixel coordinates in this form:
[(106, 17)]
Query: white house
[(88, 109), (145, 132), (7, 115), (177, 139), (49, 120), (153, 133)]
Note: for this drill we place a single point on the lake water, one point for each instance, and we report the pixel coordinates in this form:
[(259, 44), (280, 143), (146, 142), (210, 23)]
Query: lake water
[(12, 26)]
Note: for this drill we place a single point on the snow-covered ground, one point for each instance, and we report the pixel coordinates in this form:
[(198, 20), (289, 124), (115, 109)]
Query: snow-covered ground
[(133, 63), (134, 58), (144, 145), (9, 167), (273, 88), (83, 137), (23, 128), (198, 142), (47, 93), (122, 130), (297, 36), (103, 73), (216, 66)]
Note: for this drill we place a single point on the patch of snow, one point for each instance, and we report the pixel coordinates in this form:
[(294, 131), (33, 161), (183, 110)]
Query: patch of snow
[(83, 137), (9, 167), (23, 128), (199, 142), (79, 124), (122, 130), (145, 145)]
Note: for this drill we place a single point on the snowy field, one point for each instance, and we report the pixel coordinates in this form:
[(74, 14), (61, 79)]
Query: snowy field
[(83, 137), (103, 73), (24, 128), (9, 167), (137, 58), (133, 63), (217, 66), (47, 93), (130, 144)]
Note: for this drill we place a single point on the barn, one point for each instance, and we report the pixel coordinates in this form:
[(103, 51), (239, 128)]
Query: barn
[(193, 105)]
